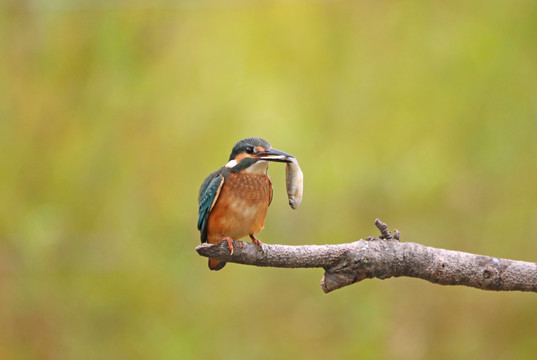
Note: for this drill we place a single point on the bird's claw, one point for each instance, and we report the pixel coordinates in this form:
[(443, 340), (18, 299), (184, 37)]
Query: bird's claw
[(229, 243), (256, 241)]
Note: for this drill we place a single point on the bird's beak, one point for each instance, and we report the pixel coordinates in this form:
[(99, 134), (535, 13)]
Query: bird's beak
[(274, 155)]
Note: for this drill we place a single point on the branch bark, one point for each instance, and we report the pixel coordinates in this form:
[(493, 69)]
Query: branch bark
[(383, 258)]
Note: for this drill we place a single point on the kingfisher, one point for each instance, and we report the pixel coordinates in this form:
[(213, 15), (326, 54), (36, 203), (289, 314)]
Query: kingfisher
[(233, 200)]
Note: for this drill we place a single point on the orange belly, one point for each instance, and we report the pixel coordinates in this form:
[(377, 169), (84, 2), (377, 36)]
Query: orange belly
[(241, 207)]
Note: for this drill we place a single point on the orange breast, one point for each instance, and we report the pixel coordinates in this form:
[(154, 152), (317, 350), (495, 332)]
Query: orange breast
[(241, 207)]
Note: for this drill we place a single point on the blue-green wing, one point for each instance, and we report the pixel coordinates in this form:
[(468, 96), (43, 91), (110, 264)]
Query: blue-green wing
[(209, 191)]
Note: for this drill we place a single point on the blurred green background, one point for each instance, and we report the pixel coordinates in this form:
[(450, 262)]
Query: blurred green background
[(421, 113)]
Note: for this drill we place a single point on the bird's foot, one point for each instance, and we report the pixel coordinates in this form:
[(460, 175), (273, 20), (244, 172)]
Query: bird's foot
[(229, 243), (256, 241)]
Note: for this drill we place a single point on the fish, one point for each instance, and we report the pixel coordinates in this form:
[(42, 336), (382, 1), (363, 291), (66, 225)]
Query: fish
[(294, 181)]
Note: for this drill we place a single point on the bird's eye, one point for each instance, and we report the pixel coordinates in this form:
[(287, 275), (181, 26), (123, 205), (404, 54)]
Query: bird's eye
[(250, 150)]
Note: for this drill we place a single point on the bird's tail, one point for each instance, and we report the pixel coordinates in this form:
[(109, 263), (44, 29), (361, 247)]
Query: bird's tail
[(216, 265)]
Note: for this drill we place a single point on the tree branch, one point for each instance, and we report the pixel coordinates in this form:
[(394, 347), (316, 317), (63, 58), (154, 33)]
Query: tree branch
[(382, 258)]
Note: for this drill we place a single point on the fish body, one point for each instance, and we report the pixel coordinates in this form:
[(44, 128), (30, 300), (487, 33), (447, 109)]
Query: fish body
[(294, 181)]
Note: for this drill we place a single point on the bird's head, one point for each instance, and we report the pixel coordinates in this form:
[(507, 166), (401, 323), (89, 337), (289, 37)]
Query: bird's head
[(253, 155)]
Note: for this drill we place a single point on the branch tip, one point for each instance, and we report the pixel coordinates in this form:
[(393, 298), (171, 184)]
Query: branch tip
[(384, 231)]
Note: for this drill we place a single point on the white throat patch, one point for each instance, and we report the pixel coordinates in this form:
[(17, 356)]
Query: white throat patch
[(257, 168)]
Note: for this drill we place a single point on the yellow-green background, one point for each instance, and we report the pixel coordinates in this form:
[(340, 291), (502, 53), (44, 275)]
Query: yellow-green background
[(421, 113)]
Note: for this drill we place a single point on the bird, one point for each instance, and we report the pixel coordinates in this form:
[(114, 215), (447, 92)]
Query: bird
[(233, 200)]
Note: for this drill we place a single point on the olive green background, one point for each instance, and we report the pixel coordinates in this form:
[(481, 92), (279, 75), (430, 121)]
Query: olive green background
[(421, 113)]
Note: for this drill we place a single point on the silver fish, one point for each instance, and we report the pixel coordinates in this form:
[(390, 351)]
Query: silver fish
[(294, 181)]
